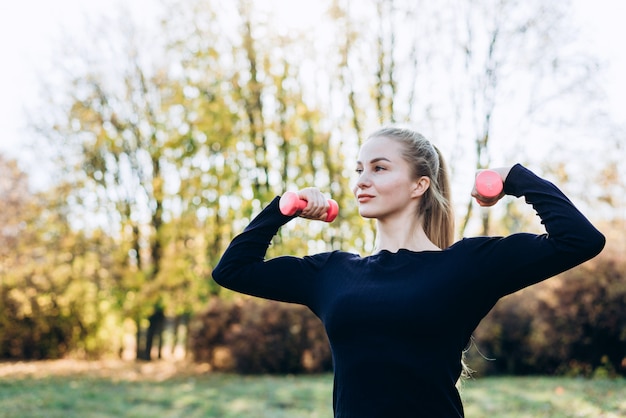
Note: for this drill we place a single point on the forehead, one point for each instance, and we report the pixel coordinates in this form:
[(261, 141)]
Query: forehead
[(380, 147)]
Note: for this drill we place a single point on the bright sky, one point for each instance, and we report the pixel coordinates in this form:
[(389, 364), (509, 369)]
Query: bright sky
[(30, 29)]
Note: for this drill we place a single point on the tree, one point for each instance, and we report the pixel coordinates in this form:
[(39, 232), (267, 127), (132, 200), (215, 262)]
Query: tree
[(125, 136), (53, 278), (14, 195), (172, 154)]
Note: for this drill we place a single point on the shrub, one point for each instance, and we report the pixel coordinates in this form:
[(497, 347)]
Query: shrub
[(573, 324), (41, 332), (257, 336)]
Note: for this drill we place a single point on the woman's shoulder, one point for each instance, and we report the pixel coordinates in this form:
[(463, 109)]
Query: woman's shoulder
[(335, 255), (473, 243), (323, 258)]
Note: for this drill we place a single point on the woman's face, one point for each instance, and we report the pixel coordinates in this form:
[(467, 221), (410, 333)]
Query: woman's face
[(385, 186)]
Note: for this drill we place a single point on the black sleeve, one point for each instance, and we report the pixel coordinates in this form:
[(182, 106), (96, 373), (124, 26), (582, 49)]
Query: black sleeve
[(243, 267), (520, 260)]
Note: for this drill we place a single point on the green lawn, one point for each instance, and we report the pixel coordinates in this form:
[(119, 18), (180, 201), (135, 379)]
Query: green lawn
[(218, 395), (553, 397), (206, 396)]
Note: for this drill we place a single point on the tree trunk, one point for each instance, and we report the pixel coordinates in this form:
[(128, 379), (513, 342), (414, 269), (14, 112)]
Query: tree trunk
[(155, 329)]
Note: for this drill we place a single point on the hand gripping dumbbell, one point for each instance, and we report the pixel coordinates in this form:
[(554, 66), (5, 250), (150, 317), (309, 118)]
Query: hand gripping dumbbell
[(290, 204), (489, 184)]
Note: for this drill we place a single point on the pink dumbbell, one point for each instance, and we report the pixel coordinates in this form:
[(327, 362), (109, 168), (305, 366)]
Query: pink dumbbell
[(489, 184), (290, 204)]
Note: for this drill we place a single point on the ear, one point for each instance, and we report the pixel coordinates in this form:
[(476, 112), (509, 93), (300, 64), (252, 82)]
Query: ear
[(420, 186)]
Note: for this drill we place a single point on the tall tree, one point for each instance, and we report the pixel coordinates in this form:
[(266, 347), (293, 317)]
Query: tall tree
[(125, 135)]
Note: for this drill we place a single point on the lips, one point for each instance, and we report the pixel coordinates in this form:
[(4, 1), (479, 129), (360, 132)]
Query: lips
[(362, 198)]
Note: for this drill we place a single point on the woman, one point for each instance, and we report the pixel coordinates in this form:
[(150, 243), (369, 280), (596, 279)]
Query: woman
[(399, 319)]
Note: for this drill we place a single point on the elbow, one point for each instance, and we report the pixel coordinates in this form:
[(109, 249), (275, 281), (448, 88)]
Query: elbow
[(226, 275), (594, 244), (220, 276), (598, 243), (222, 280), (217, 278)]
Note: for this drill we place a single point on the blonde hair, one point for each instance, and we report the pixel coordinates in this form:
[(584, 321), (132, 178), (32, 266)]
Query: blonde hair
[(435, 207)]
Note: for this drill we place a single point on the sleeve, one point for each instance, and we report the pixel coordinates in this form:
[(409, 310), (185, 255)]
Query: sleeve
[(520, 260), (243, 267)]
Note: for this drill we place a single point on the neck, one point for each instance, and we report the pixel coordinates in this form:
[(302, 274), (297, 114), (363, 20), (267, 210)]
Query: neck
[(400, 234)]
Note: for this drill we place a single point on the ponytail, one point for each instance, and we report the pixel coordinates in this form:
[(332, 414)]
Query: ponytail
[(436, 208)]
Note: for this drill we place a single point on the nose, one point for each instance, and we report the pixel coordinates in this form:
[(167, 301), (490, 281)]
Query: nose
[(363, 182)]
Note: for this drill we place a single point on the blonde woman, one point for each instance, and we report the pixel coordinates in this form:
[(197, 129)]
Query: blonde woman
[(398, 319)]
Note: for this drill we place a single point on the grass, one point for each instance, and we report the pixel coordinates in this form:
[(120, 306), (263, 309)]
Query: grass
[(148, 390), (553, 397), (210, 396)]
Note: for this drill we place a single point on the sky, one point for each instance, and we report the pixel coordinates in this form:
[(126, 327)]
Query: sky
[(31, 29)]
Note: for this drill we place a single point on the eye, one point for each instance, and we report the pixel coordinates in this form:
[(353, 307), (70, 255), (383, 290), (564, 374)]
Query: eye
[(379, 168), (359, 170)]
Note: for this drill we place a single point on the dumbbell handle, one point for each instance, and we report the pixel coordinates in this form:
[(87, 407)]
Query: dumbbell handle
[(489, 183), (290, 204)]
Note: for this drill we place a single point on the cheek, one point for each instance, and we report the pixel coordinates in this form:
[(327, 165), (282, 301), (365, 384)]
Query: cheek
[(388, 183), (353, 181)]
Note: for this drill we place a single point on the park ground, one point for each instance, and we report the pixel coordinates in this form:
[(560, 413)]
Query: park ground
[(114, 388)]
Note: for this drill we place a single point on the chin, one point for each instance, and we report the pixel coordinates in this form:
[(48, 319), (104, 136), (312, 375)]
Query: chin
[(366, 214)]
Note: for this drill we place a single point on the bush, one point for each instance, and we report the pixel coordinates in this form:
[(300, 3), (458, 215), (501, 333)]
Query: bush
[(41, 333), (573, 324), (258, 336)]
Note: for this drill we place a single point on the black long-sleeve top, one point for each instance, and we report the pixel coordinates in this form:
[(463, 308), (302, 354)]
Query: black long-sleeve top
[(398, 322)]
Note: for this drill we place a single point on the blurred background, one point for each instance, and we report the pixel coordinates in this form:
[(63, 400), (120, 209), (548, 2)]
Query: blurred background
[(139, 137)]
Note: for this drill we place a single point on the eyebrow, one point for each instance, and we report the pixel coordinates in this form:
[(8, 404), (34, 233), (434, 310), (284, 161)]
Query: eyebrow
[(375, 160)]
